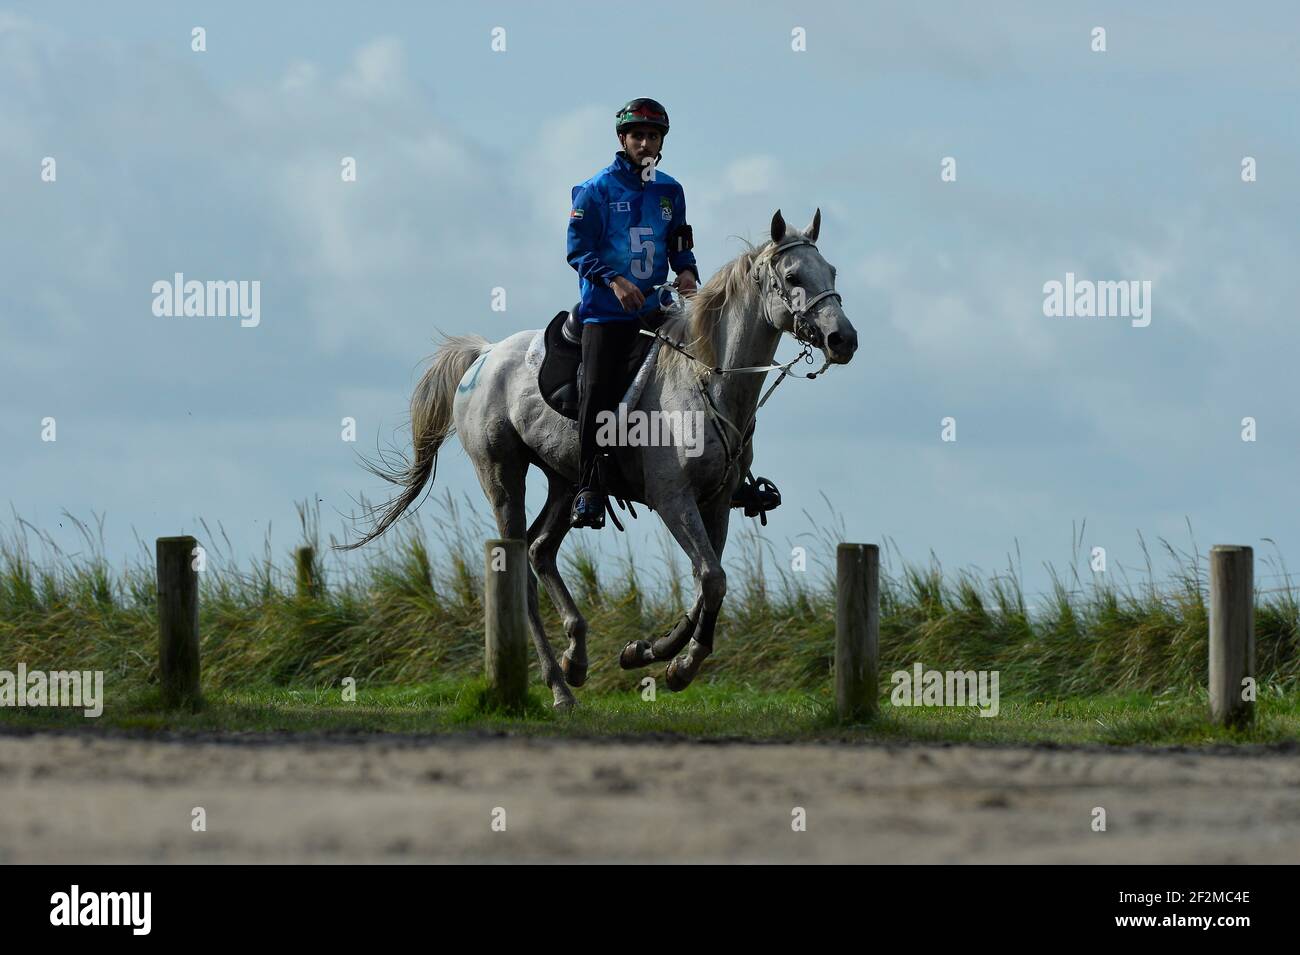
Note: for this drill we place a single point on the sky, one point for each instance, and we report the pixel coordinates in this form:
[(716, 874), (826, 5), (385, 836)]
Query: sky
[(224, 164)]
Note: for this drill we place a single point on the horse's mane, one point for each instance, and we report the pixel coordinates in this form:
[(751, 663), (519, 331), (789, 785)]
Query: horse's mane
[(697, 326)]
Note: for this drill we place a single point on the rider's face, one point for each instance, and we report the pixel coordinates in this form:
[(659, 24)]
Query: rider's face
[(641, 143)]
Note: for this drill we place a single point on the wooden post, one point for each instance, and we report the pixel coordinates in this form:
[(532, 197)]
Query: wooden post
[(308, 580), (857, 631), (1232, 634), (505, 606), (178, 622)]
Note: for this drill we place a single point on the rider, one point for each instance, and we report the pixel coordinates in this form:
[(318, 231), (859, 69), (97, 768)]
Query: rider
[(627, 226)]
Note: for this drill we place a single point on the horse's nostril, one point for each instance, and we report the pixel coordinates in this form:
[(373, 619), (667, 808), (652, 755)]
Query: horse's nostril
[(842, 344)]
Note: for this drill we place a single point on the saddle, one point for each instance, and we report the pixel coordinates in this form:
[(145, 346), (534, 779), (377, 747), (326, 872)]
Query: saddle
[(559, 379)]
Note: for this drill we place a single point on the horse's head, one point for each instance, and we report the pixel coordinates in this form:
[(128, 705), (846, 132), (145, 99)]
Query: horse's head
[(797, 287)]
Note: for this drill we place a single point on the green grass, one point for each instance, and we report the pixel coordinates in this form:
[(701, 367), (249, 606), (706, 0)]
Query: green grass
[(1101, 660), (714, 712)]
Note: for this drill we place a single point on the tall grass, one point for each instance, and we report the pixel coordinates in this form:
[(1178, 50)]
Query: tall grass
[(412, 610)]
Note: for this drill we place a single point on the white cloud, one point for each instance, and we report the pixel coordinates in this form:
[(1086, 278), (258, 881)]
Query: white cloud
[(986, 311), (378, 69), (300, 75), (559, 153), (751, 175)]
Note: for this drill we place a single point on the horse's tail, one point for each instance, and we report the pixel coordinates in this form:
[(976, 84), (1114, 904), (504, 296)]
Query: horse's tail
[(431, 425)]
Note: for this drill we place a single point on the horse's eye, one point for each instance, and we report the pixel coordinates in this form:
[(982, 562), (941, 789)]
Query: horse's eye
[(792, 277)]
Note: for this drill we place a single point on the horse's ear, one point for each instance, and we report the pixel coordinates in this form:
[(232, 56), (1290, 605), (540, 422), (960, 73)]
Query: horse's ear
[(778, 227), (812, 230)]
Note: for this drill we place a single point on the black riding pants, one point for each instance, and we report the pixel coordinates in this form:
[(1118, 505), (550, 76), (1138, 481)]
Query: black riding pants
[(605, 350)]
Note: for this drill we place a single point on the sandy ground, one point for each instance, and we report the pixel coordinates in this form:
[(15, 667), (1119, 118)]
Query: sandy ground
[(77, 799)]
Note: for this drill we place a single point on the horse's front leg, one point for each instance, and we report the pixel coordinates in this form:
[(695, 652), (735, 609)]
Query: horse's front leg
[(687, 527), (640, 653)]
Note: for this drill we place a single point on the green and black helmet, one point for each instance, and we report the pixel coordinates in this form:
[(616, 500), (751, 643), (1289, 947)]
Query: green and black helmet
[(641, 110)]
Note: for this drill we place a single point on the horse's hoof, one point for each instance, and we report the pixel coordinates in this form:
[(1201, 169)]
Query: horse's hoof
[(683, 669), (675, 677), (564, 704), (636, 654), (575, 673)]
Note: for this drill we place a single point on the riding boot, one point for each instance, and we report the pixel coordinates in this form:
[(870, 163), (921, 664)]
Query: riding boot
[(605, 347), (589, 507)]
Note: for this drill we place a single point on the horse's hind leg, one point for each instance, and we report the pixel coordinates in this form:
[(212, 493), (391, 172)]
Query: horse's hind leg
[(552, 673), (544, 539), (504, 486)]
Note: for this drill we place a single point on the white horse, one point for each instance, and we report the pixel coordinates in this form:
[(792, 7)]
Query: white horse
[(487, 393)]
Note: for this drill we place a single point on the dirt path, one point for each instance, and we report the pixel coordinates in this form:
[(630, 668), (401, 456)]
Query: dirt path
[(81, 799)]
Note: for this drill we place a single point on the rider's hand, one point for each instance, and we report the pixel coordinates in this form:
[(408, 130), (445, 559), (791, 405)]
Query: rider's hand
[(629, 296), (686, 283)]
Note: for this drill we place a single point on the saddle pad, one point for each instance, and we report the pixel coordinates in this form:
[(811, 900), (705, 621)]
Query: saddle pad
[(558, 360)]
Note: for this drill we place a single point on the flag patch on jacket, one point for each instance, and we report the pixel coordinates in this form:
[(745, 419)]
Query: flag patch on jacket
[(575, 214)]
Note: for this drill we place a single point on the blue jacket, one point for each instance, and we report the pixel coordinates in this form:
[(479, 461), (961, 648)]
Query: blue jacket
[(620, 225)]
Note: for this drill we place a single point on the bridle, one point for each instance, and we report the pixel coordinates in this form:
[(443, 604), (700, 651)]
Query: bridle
[(803, 331)]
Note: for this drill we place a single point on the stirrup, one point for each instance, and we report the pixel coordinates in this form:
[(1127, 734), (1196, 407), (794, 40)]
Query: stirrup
[(757, 496)]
